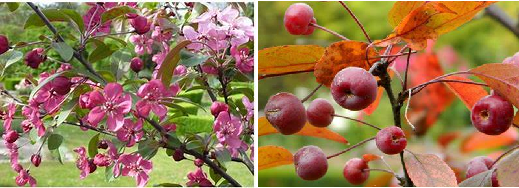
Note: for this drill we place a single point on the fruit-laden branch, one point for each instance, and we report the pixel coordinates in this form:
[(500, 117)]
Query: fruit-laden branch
[(195, 154), (499, 15), (76, 54)]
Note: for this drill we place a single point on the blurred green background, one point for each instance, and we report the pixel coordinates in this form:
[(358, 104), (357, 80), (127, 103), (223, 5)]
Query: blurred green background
[(479, 41)]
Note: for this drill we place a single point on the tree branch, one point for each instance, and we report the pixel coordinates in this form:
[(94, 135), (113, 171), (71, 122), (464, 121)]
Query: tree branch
[(500, 16), (76, 54)]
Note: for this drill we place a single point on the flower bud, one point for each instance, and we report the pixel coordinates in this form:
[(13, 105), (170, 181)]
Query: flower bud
[(140, 24), (218, 107), (178, 155), (61, 85), (136, 64), (92, 166), (4, 44), (10, 136), (35, 57), (36, 159), (102, 144), (199, 162), (101, 160)]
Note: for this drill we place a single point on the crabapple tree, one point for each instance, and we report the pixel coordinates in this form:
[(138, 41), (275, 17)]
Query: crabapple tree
[(146, 77)]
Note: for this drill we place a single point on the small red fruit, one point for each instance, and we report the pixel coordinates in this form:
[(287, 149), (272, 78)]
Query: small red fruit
[(320, 113), (492, 115), (178, 155), (36, 160), (4, 44), (199, 162), (61, 85), (356, 171), (136, 64), (481, 164), (298, 17), (310, 163), (286, 113), (354, 88), (391, 140)]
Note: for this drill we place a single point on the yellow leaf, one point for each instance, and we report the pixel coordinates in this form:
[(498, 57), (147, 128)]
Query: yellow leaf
[(273, 156), (265, 128), (288, 59)]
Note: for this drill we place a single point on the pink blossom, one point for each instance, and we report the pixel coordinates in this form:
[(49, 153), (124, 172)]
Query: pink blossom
[(92, 18), (160, 36), (143, 44), (32, 113), (218, 107), (24, 177), (130, 4), (228, 129), (198, 178), (84, 101), (252, 152), (241, 29), (208, 69), (130, 132), (82, 162), (160, 56), (13, 156), (135, 166), (244, 62), (170, 127), (208, 33), (102, 160), (180, 70), (152, 94), (9, 115), (114, 104), (249, 106)]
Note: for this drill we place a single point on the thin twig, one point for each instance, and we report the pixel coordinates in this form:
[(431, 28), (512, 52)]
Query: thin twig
[(360, 121), (206, 84), (329, 31), (356, 20), (404, 86), (90, 127), (500, 16), (112, 34), (350, 148), (311, 93)]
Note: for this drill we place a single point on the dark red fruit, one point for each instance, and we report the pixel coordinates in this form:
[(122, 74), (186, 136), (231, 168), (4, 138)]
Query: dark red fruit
[(492, 115), (35, 57), (481, 164), (320, 113), (218, 107), (286, 113), (199, 162), (391, 140), (10, 136), (61, 85), (310, 163), (354, 88), (92, 166), (4, 44), (36, 160), (136, 64), (178, 155), (140, 24), (298, 17), (356, 171)]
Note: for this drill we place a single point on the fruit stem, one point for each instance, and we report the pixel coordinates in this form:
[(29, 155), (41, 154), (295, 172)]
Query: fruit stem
[(404, 85), (356, 20), (350, 148), (311, 93), (329, 31), (363, 122), (381, 170)]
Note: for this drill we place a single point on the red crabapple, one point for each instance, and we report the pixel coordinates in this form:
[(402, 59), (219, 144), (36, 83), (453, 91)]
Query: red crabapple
[(286, 113), (481, 164), (178, 155), (136, 64), (4, 44), (354, 88), (320, 113), (492, 115), (391, 140), (310, 163), (298, 17), (356, 171)]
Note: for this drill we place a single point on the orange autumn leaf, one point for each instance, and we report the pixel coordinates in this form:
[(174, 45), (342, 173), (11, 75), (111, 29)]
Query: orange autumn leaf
[(340, 55), (428, 170), (382, 180), (265, 128), (468, 93), (273, 156), (503, 78), (515, 122), (401, 9), (373, 106), (288, 59), (446, 138), (479, 141), (428, 20), (368, 157)]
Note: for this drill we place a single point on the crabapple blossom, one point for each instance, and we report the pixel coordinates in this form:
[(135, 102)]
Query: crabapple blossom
[(24, 177), (198, 178), (92, 18), (9, 115), (130, 132), (228, 129), (113, 104), (143, 44), (82, 162), (36, 159), (10, 136), (249, 106), (244, 62), (135, 166), (152, 94)]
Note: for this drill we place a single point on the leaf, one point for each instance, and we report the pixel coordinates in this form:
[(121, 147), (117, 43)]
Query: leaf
[(401, 9), (148, 148), (8, 58), (55, 15), (483, 179), (109, 173), (446, 138), (428, 170), (41, 84), (116, 12), (265, 128), (54, 141), (480, 141), (214, 176), (288, 59), (382, 180), (223, 156), (65, 111), (193, 124), (340, 55), (368, 157), (468, 93), (428, 21), (170, 62), (373, 106), (507, 170), (194, 61), (92, 145), (64, 50), (102, 51), (13, 6), (167, 185), (273, 156), (503, 78)]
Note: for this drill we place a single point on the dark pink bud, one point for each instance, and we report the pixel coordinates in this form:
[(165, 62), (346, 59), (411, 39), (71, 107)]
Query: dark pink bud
[(131, 15), (35, 57), (140, 24), (102, 144), (92, 166), (10, 136), (136, 64), (218, 107), (178, 155), (101, 160), (36, 159), (199, 162), (4, 44), (61, 85), (189, 4)]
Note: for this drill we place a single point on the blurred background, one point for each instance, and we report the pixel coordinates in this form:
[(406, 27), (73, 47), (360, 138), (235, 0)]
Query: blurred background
[(482, 40)]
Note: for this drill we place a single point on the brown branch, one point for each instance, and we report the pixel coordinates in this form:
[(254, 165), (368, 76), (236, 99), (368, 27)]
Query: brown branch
[(356, 20), (500, 16), (350, 148)]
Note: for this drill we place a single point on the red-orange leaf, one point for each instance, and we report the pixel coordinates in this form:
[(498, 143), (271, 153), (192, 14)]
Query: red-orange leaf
[(468, 93), (265, 128), (340, 55), (368, 157), (373, 106), (479, 141), (446, 138), (428, 170), (289, 59), (503, 78), (382, 180), (273, 156), (516, 119)]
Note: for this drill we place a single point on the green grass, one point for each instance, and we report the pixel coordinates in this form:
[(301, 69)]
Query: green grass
[(165, 169)]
